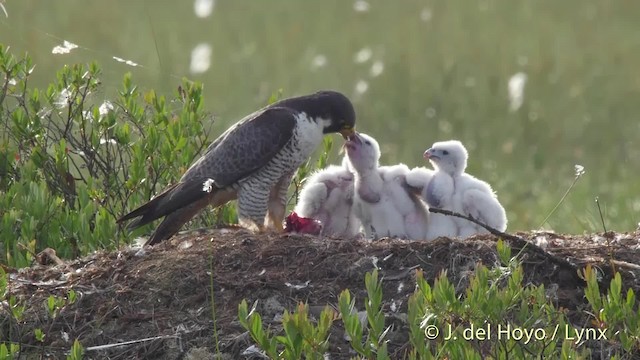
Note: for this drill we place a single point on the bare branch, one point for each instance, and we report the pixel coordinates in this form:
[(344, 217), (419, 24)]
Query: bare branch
[(492, 230), (517, 242)]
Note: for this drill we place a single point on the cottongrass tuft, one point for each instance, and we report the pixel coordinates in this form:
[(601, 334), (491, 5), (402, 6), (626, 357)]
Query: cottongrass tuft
[(203, 8), (105, 108), (65, 48), (63, 98), (319, 61), (376, 68), (361, 87), (200, 58), (579, 171), (363, 55), (425, 15), (361, 6), (516, 91), (125, 61)]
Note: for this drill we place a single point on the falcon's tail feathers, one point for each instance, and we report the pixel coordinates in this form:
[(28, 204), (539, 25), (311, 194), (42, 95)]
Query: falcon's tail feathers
[(174, 221), (172, 199)]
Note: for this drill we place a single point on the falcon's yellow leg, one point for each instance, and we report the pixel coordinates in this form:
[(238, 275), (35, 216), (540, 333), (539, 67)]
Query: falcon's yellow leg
[(278, 203)]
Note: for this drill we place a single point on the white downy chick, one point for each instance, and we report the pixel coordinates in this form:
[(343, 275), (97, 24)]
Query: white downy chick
[(436, 190), (471, 196), (327, 196), (382, 199)]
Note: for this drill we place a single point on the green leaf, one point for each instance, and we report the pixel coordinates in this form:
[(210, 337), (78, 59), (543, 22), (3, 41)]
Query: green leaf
[(39, 334), (77, 351), (275, 96)]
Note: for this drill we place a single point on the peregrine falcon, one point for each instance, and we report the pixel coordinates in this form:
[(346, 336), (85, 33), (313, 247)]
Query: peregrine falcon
[(253, 162)]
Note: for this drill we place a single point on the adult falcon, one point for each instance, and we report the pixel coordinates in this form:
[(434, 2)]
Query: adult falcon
[(253, 162)]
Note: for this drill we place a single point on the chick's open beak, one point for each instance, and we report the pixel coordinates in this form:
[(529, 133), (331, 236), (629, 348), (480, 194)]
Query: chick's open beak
[(347, 132), (428, 154)]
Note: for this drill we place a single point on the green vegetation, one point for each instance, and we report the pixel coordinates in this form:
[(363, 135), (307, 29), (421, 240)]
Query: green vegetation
[(446, 66), (444, 324), (14, 321), (70, 166), (80, 148)]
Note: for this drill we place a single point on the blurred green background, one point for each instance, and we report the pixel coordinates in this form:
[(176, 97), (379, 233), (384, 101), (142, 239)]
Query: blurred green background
[(417, 71)]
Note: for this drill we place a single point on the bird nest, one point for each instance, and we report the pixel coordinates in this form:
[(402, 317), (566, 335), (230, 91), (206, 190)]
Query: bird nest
[(157, 302)]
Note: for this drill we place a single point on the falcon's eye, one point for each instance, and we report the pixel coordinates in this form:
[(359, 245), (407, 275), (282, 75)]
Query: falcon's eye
[(445, 152)]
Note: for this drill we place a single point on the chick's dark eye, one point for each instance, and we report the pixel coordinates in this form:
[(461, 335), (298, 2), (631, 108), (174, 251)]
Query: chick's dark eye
[(445, 152), (367, 142)]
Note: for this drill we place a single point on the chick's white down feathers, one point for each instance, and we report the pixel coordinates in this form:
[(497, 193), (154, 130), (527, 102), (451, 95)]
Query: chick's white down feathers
[(435, 186), (452, 189), (382, 198), (327, 196)]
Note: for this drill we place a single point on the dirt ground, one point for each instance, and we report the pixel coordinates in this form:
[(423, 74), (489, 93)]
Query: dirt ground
[(159, 299)]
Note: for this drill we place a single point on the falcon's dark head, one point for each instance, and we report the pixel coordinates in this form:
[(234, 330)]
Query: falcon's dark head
[(331, 106)]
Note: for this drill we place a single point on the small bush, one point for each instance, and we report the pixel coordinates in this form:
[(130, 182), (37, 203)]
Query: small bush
[(70, 164), (496, 318)]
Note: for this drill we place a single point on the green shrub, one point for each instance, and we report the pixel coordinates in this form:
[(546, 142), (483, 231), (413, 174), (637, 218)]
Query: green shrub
[(496, 318), (618, 316), (70, 163), (301, 337)]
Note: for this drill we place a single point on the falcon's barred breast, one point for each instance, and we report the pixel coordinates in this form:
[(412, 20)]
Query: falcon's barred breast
[(253, 162)]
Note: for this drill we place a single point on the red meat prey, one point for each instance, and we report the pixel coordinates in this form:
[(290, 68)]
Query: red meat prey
[(298, 224)]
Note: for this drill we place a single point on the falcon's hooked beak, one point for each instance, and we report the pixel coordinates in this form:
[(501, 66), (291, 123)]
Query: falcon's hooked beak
[(347, 132), (351, 141)]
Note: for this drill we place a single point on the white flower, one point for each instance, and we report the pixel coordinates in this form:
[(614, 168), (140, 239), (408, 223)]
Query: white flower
[(425, 14), (376, 68), (207, 185), (88, 115), (200, 58), (127, 62), (361, 6), (516, 90), (361, 87), (579, 170), (203, 8), (63, 98), (65, 48), (363, 55), (318, 61), (107, 141), (105, 108)]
